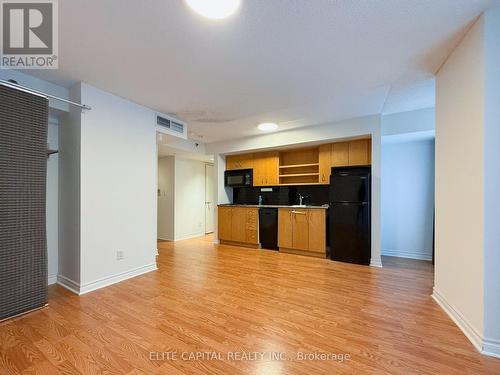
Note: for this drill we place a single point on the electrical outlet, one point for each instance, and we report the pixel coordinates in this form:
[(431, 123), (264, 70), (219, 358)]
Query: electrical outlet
[(120, 255)]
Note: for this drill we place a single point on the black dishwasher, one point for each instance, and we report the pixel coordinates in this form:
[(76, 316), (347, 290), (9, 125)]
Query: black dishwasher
[(268, 228)]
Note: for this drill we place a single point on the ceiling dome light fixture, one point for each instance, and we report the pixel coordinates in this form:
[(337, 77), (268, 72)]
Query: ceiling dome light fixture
[(214, 9), (268, 126)]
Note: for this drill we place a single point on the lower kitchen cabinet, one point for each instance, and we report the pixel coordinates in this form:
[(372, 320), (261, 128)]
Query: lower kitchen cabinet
[(302, 231), (224, 223), (238, 225)]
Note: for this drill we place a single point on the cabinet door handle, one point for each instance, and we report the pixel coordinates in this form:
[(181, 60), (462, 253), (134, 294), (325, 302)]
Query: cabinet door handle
[(298, 212)]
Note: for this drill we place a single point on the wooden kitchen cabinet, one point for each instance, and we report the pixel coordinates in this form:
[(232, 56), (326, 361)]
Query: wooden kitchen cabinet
[(242, 161), (325, 163), (302, 231), (238, 226), (224, 220), (340, 154), (302, 166), (317, 231), (272, 168), (259, 170), (252, 226), (265, 168), (359, 152), (285, 228)]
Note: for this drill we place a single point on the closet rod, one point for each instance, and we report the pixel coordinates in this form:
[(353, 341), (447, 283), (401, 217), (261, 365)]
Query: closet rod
[(33, 91)]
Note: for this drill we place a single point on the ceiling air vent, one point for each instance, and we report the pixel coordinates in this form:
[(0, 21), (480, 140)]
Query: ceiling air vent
[(168, 125)]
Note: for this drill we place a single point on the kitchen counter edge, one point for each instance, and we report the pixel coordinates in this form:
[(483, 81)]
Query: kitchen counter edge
[(325, 207)]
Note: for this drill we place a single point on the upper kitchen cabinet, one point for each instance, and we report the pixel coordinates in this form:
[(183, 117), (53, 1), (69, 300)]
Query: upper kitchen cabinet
[(351, 153), (265, 168), (302, 166), (340, 154), (242, 161), (359, 152), (325, 163)]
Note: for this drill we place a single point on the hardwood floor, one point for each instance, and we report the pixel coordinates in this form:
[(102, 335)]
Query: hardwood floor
[(222, 299)]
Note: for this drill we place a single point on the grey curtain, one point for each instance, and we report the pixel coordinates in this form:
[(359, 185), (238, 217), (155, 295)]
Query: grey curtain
[(23, 175)]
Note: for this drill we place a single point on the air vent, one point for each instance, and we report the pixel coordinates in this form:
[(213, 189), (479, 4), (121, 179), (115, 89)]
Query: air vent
[(171, 126)]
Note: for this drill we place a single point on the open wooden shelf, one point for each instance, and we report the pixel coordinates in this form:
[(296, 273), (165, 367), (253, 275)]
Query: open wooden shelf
[(299, 175), (299, 165)]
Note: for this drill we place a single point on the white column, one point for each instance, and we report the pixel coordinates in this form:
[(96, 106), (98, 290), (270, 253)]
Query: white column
[(376, 260)]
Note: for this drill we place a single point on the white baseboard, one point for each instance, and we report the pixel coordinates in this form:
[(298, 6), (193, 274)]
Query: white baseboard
[(189, 236), (80, 289), (164, 239), (420, 255), (474, 337), (491, 348), (69, 284), (376, 262), (106, 281), (51, 279)]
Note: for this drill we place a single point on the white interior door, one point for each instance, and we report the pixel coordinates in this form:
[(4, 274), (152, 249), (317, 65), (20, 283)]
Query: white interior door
[(209, 196)]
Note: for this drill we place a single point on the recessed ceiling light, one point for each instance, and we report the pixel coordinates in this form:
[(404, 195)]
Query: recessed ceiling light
[(214, 9), (268, 126)]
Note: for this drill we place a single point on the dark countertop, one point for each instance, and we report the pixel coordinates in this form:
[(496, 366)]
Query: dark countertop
[(324, 207)]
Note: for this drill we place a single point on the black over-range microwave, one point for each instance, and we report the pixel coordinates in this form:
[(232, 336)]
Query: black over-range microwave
[(238, 177)]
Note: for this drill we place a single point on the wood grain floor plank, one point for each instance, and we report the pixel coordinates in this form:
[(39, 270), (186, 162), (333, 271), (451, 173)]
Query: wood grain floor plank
[(224, 299)]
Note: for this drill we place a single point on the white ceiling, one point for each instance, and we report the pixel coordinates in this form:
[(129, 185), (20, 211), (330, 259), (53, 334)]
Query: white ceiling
[(294, 62)]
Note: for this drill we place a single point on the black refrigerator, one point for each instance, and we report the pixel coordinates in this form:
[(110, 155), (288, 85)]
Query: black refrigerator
[(350, 214)]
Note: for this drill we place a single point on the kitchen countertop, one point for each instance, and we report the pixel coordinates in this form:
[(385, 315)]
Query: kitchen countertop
[(324, 207)]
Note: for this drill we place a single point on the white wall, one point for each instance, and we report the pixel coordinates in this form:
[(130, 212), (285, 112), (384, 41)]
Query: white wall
[(166, 198), (419, 121), (118, 188), (52, 202), (189, 198), (459, 270), (467, 281), (491, 343), (107, 191), (369, 125), (407, 198)]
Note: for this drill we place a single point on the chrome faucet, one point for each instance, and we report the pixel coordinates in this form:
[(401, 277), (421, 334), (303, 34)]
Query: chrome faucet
[(301, 199)]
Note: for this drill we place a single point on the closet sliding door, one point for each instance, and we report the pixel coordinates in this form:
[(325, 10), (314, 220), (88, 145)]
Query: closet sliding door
[(23, 174)]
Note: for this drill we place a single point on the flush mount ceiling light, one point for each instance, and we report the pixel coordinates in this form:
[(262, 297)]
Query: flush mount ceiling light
[(268, 126), (214, 9)]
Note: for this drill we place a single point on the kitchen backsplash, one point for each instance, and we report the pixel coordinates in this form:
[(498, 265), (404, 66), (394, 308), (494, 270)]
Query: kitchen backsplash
[(286, 195)]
